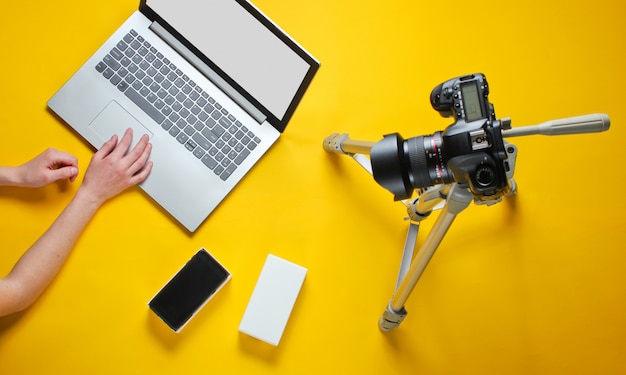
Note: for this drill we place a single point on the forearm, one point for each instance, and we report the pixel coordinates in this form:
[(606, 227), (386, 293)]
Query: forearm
[(40, 264)]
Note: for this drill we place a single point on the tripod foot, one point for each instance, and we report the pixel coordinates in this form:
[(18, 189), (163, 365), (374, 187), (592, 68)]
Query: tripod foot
[(391, 319), (333, 142)]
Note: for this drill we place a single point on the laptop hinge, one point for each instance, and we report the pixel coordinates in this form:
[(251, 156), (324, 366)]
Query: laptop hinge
[(208, 72)]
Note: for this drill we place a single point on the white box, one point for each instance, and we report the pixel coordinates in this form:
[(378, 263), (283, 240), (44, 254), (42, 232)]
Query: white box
[(272, 300)]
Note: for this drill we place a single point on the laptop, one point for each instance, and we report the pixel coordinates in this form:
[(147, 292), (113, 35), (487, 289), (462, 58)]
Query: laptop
[(212, 82)]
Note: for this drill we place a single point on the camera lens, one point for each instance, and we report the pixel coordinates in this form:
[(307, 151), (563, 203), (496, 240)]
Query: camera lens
[(401, 165)]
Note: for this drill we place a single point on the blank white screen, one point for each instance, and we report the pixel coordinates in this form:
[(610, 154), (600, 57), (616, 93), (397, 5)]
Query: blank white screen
[(239, 45)]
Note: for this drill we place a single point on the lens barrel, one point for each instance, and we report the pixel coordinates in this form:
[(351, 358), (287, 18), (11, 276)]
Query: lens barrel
[(427, 161), (401, 165)]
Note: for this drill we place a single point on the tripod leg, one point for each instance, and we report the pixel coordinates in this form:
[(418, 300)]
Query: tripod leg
[(342, 144), (395, 312), (407, 254)]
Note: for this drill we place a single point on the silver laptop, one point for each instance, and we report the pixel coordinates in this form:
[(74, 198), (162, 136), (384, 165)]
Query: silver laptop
[(212, 82)]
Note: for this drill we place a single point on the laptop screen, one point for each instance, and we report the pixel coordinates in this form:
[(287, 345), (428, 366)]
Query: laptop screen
[(266, 64)]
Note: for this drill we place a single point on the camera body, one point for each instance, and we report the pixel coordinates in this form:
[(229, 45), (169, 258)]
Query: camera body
[(470, 151)]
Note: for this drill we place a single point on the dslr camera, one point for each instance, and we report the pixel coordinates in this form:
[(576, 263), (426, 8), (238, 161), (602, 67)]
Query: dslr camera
[(470, 151)]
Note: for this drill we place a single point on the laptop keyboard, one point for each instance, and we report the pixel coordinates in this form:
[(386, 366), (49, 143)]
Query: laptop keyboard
[(197, 121)]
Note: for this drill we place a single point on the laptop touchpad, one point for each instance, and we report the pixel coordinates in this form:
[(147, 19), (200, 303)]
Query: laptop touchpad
[(115, 120)]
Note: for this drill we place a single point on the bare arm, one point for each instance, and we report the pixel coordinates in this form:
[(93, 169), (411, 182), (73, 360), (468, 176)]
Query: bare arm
[(110, 172)]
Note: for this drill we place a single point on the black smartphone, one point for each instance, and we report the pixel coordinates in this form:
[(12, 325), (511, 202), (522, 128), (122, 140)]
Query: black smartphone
[(189, 290)]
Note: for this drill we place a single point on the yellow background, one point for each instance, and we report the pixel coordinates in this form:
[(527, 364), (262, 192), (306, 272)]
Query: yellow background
[(534, 285)]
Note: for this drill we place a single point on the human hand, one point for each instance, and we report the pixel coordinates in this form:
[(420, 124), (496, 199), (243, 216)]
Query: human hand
[(114, 168), (49, 166)]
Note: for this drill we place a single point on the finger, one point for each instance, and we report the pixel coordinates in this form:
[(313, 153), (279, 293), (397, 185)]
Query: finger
[(142, 174), (141, 161), (61, 159), (106, 148), (63, 174), (74, 175), (137, 151), (122, 147)]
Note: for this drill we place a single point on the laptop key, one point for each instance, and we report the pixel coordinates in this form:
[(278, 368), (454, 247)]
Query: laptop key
[(190, 145), (225, 122), (122, 86), (209, 161), (108, 73), (218, 130), (189, 130), (167, 124), (198, 152), (122, 72), (144, 91), (111, 62), (182, 138), (117, 54), (201, 141), (229, 170), (242, 156), (212, 137), (129, 53), (142, 103), (174, 131)]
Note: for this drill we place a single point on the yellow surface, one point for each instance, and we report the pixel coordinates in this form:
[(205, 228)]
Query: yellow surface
[(534, 286)]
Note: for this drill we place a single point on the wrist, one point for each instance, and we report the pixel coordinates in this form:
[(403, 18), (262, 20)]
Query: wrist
[(87, 200), (10, 176)]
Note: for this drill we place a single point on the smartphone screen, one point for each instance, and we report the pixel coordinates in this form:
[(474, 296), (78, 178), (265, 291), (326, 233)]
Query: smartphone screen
[(189, 290)]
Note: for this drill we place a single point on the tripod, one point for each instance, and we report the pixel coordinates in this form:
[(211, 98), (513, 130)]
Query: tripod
[(451, 199)]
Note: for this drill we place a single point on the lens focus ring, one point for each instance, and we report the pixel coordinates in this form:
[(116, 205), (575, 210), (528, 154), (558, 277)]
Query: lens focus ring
[(417, 160)]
